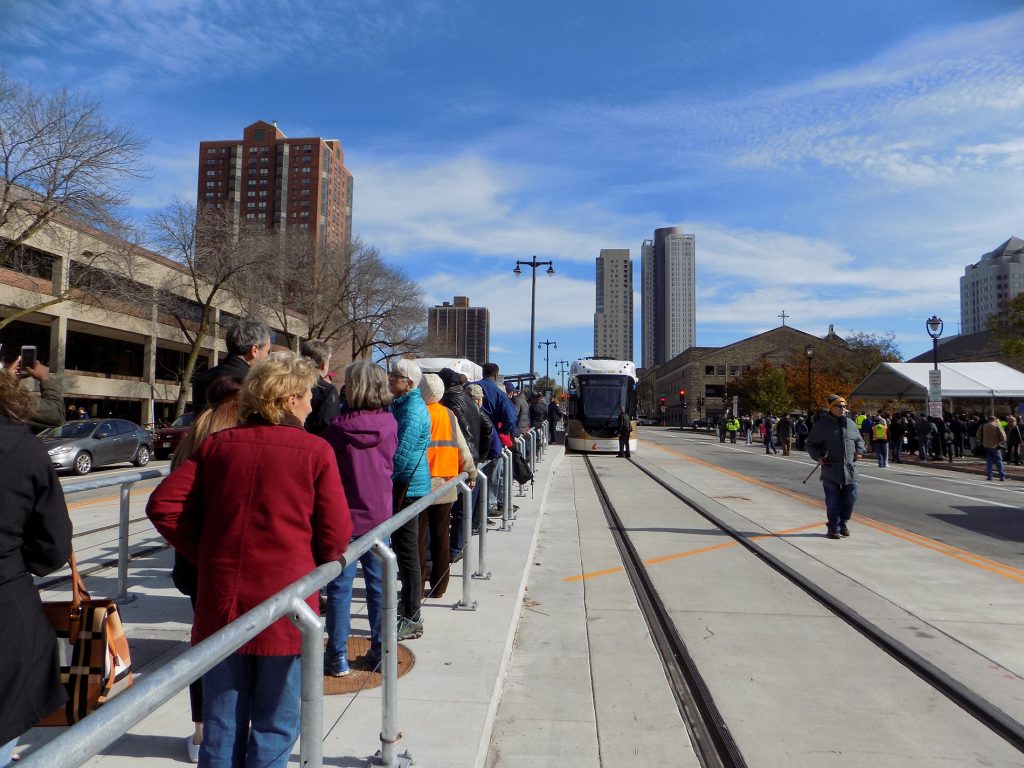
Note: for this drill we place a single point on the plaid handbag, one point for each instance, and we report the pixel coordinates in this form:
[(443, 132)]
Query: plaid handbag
[(95, 663)]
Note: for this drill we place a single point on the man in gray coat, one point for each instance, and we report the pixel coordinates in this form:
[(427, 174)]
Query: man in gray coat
[(836, 444)]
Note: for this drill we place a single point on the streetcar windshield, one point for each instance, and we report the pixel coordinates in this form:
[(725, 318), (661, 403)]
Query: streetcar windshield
[(599, 397)]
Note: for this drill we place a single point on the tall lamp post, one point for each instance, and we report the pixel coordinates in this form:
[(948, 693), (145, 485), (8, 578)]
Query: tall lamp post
[(563, 368), (547, 355), (934, 326), (533, 264), (809, 351)]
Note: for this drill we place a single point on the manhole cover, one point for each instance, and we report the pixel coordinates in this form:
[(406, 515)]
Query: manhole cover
[(362, 677)]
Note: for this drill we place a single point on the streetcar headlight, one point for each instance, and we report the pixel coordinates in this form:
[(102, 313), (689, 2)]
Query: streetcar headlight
[(60, 450)]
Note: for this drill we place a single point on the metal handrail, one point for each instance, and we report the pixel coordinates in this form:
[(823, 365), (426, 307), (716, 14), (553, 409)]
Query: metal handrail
[(126, 482), (85, 739)]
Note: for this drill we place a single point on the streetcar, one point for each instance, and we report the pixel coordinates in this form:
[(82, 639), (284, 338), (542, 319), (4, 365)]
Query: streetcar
[(597, 387)]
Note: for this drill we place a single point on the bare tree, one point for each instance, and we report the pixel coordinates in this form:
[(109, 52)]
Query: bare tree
[(387, 316), (63, 167), (212, 256)]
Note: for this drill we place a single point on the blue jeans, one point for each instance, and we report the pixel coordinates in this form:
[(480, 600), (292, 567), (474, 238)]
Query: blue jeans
[(250, 712), (769, 443), (882, 452), (994, 456), (339, 607), (494, 484), (839, 501)]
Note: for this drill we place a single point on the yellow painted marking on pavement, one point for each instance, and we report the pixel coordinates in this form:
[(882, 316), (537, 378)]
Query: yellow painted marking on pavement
[(102, 499), (689, 553), (961, 555)]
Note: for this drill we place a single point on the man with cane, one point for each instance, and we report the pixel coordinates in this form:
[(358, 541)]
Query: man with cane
[(836, 444)]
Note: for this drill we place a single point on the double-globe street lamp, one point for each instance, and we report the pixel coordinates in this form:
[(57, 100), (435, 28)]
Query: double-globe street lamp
[(563, 368), (809, 351), (934, 326), (533, 264)]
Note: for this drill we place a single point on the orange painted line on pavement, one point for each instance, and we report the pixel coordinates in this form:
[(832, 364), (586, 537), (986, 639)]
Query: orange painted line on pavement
[(688, 553), (89, 502), (961, 555)]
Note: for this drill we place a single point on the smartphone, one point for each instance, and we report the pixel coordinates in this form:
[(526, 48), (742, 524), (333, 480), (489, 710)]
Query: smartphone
[(28, 357)]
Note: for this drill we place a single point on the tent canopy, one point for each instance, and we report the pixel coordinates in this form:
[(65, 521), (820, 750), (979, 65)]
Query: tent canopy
[(909, 381)]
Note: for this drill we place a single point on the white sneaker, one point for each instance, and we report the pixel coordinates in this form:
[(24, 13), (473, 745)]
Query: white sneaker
[(192, 748)]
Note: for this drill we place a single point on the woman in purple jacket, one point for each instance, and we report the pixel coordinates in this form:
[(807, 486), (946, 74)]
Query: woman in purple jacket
[(364, 440)]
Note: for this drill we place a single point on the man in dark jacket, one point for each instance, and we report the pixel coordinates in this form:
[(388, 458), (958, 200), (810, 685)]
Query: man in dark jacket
[(784, 433), (555, 415), (456, 399), (248, 341), (538, 411), (624, 428), (836, 444), (325, 396)]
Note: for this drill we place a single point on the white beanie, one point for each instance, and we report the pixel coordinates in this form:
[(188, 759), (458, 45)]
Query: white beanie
[(431, 387)]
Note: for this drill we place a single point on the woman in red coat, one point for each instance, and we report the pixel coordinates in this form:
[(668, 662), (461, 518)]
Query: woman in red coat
[(256, 508)]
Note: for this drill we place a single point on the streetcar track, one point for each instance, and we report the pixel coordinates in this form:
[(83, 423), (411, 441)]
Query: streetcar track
[(982, 710), (709, 733)]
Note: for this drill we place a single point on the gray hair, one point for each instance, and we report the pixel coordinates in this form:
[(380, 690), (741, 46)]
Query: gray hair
[(242, 335), (476, 392), (366, 386), (316, 350), (410, 369)]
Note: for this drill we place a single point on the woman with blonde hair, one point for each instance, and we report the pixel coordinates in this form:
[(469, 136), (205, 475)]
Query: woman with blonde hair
[(221, 413), (364, 439), (255, 508)]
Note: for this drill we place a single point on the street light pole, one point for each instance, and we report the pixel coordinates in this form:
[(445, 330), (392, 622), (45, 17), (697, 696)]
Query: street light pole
[(533, 264), (547, 355), (563, 368), (809, 351), (934, 326)]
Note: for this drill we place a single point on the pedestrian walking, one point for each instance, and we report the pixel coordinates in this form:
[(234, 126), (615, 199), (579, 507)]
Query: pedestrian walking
[(993, 440), (768, 428), (1013, 440), (624, 429), (836, 444), (880, 439), (784, 434)]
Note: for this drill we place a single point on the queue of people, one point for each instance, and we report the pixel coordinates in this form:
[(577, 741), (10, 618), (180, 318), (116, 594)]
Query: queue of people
[(303, 484)]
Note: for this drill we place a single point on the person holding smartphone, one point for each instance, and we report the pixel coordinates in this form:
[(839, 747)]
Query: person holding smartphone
[(47, 408)]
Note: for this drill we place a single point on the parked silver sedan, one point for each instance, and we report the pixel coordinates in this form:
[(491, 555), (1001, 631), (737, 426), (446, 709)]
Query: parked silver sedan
[(79, 446)]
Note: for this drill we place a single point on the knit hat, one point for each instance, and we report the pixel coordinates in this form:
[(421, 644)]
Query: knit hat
[(510, 387), (431, 387), (833, 398)]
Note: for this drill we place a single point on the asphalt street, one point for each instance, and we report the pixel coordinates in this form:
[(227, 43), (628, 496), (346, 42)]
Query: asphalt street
[(965, 511)]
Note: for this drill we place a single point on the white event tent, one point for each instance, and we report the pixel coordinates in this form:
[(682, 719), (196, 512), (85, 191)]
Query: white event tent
[(909, 381)]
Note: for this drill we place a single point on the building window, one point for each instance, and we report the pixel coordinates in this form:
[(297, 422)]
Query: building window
[(209, 194), (254, 150), (209, 184), (211, 151), (303, 226), (250, 205), (259, 134), (251, 182), (263, 182), (264, 171), (264, 150), (250, 216), (307, 170), (263, 193), (211, 173), (263, 205), (307, 148)]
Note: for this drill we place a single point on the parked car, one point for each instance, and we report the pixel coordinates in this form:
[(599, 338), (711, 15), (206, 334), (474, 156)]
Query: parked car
[(698, 424), (167, 439), (646, 421), (79, 446)]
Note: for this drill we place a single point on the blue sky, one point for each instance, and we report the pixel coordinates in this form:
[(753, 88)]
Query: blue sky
[(840, 163)]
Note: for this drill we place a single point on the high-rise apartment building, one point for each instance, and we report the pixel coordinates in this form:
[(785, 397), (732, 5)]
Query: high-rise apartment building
[(668, 266), (613, 320), (291, 185), (459, 330), (988, 285)]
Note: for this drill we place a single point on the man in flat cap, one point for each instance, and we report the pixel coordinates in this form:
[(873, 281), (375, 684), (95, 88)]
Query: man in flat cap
[(836, 444)]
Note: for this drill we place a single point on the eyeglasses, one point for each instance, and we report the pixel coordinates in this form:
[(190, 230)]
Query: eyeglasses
[(396, 377), (839, 405)]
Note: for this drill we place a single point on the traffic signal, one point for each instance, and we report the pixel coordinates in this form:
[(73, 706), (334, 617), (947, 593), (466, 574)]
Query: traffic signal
[(662, 400), (682, 393)]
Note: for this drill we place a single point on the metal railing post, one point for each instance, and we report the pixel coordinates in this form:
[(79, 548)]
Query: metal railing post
[(509, 508), (122, 545), (533, 450), (481, 565), (467, 603), (506, 488), (311, 738), (389, 733)]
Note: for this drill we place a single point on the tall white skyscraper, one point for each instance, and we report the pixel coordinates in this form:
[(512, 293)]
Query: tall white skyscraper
[(988, 285), (668, 266), (613, 320)]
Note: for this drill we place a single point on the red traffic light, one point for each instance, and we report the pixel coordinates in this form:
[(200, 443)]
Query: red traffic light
[(662, 400), (682, 393)]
